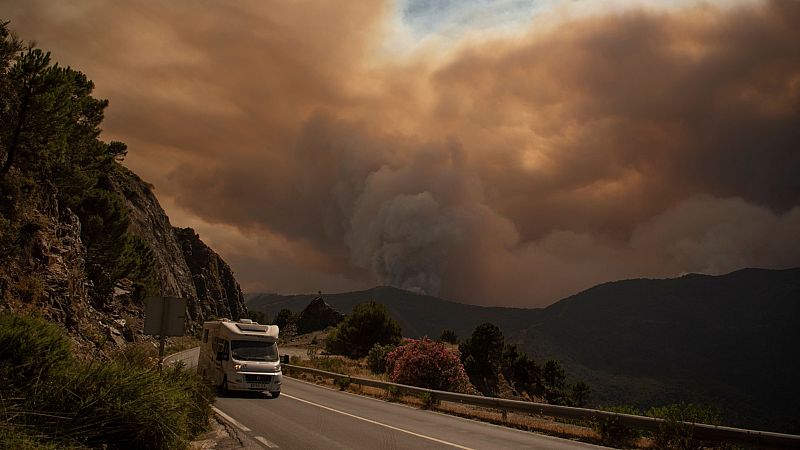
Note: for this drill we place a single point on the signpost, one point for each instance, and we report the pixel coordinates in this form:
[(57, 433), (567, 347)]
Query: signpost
[(164, 316)]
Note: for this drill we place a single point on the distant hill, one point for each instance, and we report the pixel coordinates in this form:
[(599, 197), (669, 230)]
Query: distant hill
[(418, 315), (731, 341)]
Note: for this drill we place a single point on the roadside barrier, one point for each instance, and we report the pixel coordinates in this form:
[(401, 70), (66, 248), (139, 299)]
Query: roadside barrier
[(699, 430)]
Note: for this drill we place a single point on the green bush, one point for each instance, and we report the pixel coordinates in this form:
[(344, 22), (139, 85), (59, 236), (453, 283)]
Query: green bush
[(481, 354), (30, 349), (673, 433), (47, 397), (427, 364), (449, 336), (428, 401), (367, 325), (376, 359), (342, 382), (284, 318), (611, 431)]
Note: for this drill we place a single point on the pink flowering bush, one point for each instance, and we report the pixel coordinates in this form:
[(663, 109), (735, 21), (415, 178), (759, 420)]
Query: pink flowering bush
[(428, 364)]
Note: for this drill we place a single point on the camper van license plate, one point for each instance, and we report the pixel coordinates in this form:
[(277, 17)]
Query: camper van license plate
[(259, 385)]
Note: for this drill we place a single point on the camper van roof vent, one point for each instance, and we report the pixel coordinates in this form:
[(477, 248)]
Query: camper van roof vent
[(252, 327), (245, 321)]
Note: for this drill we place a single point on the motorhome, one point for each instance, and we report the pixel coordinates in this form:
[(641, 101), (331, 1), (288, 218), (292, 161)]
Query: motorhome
[(240, 356)]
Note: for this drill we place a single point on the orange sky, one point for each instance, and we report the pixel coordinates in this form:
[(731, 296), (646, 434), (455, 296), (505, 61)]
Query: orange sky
[(341, 145)]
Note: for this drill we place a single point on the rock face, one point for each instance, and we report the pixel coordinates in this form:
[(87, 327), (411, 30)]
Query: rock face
[(318, 315), (218, 293), (184, 265), (43, 268), (150, 222)]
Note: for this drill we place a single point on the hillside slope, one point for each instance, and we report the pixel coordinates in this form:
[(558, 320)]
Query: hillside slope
[(418, 315), (729, 341)]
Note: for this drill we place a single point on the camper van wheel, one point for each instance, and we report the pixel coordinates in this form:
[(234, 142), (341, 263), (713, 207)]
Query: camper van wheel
[(276, 394)]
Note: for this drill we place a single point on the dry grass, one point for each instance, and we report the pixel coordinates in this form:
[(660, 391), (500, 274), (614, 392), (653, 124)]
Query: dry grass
[(544, 425)]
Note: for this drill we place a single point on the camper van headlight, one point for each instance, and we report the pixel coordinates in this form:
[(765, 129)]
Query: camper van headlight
[(237, 366)]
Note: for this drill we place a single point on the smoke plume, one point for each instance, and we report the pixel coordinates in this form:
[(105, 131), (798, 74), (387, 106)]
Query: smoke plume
[(499, 169)]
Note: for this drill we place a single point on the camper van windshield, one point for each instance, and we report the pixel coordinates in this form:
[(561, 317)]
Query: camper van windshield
[(254, 351)]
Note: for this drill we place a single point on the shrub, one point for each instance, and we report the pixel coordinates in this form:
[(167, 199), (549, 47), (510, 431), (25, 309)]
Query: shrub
[(258, 316), (481, 354), (342, 382), (554, 381), (394, 392), (284, 317), (428, 401), (428, 364), (367, 325), (449, 336), (581, 393), (376, 359), (123, 406), (674, 434), (521, 371), (611, 431), (55, 401), (30, 349)]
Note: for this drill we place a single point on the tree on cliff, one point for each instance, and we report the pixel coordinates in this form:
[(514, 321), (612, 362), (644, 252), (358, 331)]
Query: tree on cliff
[(367, 325), (50, 136)]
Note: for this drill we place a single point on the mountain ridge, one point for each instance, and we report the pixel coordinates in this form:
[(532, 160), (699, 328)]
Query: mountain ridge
[(727, 340)]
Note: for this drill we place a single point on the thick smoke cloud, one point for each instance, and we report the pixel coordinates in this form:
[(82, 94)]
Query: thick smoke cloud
[(501, 170)]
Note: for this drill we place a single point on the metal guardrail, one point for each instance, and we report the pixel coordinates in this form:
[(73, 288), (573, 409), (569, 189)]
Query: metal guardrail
[(187, 357), (699, 430)]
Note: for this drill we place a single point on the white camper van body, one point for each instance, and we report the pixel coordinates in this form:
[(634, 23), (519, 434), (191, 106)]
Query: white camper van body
[(240, 356)]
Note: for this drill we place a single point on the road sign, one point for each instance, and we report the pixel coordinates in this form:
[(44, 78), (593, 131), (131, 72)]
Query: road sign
[(164, 316)]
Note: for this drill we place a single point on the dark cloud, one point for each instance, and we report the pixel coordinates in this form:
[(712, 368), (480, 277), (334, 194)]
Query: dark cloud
[(511, 171)]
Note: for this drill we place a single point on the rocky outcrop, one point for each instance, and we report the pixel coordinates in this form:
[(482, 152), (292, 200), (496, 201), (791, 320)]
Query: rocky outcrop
[(218, 293), (43, 268), (184, 266), (150, 222), (44, 273), (318, 315)]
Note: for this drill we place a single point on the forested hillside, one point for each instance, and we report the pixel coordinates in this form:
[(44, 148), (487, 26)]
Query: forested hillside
[(727, 341)]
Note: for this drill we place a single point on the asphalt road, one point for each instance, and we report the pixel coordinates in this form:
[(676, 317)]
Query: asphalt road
[(307, 416)]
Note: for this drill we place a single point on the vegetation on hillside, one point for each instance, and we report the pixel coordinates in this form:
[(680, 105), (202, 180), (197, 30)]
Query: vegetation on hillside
[(50, 399), (487, 358), (367, 325), (51, 159)]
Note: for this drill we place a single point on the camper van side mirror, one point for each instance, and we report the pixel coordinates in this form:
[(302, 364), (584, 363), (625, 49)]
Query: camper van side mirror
[(285, 359), (222, 356)]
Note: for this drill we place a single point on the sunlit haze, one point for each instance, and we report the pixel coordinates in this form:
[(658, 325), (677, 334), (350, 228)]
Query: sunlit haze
[(491, 152)]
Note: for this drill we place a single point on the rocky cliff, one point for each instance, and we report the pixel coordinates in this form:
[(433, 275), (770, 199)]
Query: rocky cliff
[(185, 266), (218, 293), (43, 268)]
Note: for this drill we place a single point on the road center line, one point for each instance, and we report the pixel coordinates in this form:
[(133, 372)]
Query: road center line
[(230, 419), (378, 423)]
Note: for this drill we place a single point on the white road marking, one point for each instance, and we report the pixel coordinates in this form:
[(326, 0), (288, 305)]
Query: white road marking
[(266, 442), (378, 423), (230, 419)]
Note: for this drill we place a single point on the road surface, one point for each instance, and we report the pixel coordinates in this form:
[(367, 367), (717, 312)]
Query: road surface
[(308, 416)]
